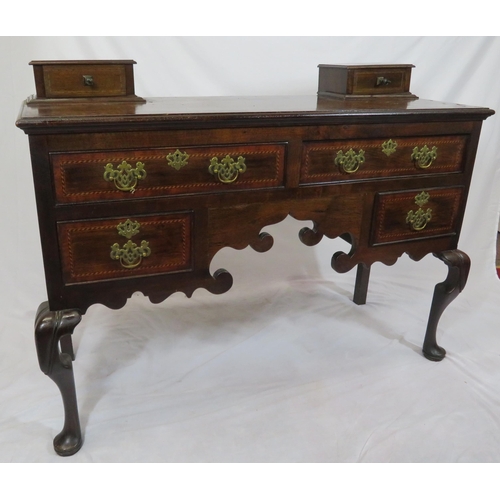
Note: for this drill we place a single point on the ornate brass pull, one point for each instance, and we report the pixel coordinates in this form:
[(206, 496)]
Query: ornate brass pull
[(130, 254), (419, 219), (227, 170), (351, 161), (177, 160), (124, 176), (424, 157), (389, 147)]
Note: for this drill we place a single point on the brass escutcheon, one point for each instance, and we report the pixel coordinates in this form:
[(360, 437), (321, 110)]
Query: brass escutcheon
[(130, 254), (389, 147), (128, 228), (350, 161), (422, 198), (177, 160), (419, 219), (124, 176), (424, 157), (227, 170)]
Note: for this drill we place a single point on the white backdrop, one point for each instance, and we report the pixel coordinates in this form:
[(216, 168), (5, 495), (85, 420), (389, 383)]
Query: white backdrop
[(283, 367)]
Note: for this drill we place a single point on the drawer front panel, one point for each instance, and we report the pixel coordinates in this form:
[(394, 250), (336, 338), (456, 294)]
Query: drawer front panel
[(114, 175), (332, 161), (125, 247), (69, 80), (379, 81), (410, 215)]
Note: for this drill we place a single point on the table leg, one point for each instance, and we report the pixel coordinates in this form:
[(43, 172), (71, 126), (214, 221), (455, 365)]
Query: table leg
[(67, 346), (458, 264), (361, 286), (51, 328)]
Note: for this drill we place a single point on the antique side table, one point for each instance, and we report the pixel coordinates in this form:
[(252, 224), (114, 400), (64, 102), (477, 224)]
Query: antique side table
[(139, 194)]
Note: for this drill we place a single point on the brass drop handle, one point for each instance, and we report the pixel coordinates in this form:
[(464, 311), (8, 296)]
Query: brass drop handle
[(124, 176), (418, 219), (130, 254), (350, 161), (227, 170), (88, 80), (382, 80), (424, 157)]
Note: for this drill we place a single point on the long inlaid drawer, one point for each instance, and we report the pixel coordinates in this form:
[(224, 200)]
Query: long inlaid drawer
[(114, 175), (416, 214), (95, 250), (324, 161)]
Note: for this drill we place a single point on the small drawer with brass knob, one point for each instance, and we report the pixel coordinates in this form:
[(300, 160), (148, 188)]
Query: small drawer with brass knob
[(415, 214), (104, 249), (125, 175), (348, 81), (110, 79), (343, 160)]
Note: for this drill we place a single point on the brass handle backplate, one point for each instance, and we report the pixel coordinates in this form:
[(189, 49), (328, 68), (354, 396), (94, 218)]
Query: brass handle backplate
[(130, 254), (227, 170), (350, 161), (418, 219), (124, 175), (424, 157)]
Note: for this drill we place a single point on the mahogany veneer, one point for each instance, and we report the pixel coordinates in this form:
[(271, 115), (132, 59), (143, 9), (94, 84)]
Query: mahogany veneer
[(140, 195)]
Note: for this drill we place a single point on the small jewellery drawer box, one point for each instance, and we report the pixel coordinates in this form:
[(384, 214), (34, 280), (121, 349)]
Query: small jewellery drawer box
[(81, 79), (365, 80)]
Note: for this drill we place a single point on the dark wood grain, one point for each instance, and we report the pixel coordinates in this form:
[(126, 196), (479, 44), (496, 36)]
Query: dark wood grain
[(79, 176), (391, 210), (365, 80), (458, 263), (86, 247), (366, 208), (361, 285), (318, 164), (208, 112), (84, 80), (51, 327), (288, 144)]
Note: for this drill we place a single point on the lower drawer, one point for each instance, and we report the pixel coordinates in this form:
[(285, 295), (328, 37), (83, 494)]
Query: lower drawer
[(416, 214), (95, 250)]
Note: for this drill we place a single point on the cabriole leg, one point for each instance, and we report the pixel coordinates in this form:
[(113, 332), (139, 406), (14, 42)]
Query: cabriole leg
[(458, 264), (52, 329)]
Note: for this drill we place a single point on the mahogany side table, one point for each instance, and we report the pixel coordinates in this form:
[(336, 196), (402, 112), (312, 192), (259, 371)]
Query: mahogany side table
[(139, 194)]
